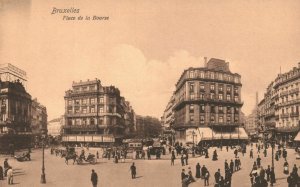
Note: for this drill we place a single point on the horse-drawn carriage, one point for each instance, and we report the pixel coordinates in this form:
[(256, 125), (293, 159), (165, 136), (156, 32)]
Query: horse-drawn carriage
[(23, 157), (72, 155)]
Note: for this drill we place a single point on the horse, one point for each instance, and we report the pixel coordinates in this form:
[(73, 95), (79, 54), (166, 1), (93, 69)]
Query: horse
[(70, 157)]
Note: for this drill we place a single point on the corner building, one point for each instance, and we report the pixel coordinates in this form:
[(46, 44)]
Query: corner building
[(94, 114), (208, 105)]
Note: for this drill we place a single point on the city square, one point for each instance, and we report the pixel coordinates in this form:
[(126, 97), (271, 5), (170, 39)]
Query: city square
[(139, 93), (149, 172)]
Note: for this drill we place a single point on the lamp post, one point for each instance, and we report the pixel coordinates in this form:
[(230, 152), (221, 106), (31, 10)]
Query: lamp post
[(43, 175), (193, 150), (273, 146)]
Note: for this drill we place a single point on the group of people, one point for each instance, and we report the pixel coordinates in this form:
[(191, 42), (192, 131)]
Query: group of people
[(6, 171), (201, 173)]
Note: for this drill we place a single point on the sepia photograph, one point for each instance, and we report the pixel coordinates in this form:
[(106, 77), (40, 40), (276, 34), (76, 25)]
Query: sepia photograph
[(149, 93)]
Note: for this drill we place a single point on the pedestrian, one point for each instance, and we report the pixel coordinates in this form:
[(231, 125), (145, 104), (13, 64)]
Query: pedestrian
[(227, 148), (236, 152), (262, 173), (251, 153), (172, 159), (133, 171), (295, 169), (182, 160), (258, 161), (203, 171), (10, 176), (198, 169), (186, 158), (286, 168), (148, 154), (226, 166), (228, 177), (265, 152), (97, 155), (236, 165), (272, 176), (239, 163), (183, 175), (94, 178), (284, 154), (206, 178), (231, 166), (268, 172), (6, 166), (1, 173), (217, 176)]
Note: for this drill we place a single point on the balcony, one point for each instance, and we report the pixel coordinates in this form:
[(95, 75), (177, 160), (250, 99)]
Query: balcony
[(81, 127), (284, 115), (294, 114), (294, 91), (225, 124), (284, 93)]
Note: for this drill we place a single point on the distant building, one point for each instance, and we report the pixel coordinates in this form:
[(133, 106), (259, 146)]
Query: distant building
[(208, 104), (95, 114), (168, 115), (39, 117), (55, 126)]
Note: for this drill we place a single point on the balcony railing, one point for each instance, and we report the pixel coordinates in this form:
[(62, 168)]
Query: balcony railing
[(284, 115), (293, 91), (294, 114), (225, 124)]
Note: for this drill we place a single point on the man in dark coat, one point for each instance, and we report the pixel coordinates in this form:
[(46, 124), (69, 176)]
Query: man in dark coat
[(94, 178), (258, 161), (268, 172), (133, 170), (231, 166), (272, 176), (217, 176), (203, 171), (6, 166), (226, 166)]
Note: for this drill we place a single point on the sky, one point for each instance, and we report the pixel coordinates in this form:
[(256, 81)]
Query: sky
[(144, 46)]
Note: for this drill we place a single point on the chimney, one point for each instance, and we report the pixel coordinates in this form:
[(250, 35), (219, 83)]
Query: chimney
[(205, 62)]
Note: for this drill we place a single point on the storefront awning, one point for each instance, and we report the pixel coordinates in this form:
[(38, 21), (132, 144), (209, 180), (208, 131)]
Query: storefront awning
[(207, 133), (297, 138)]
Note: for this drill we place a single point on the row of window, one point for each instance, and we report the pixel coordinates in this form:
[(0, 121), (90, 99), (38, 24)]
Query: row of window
[(88, 101), (92, 109), (213, 75), (214, 109), (213, 96), (212, 87), (213, 119), (85, 88), (293, 109)]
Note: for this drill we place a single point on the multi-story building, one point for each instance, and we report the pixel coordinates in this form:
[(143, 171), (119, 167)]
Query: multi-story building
[(168, 116), (54, 126), (208, 104), (94, 114), (15, 116), (11, 73), (281, 105), (38, 118), (287, 102)]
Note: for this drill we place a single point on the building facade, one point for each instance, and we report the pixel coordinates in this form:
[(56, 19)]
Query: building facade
[(168, 115), (208, 104), (39, 117), (11, 73), (15, 115), (281, 105), (94, 114), (55, 126)]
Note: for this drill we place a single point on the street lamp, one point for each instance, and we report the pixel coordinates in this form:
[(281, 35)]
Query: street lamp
[(43, 175), (193, 150), (273, 146)]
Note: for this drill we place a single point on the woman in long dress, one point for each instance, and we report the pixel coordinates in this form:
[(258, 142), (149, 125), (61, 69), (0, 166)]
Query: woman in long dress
[(198, 168)]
